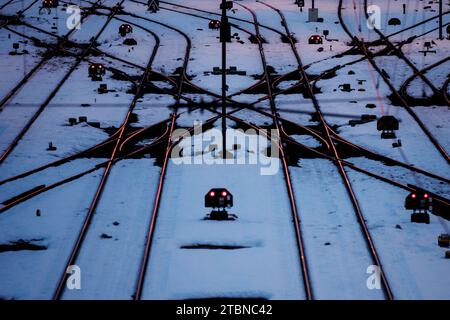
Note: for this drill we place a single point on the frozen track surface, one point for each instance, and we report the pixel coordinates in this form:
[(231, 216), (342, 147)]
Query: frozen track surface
[(267, 266), (255, 256)]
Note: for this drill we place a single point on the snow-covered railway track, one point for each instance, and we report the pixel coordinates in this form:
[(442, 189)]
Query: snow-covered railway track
[(52, 94), (165, 229), (287, 176), (437, 179), (6, 4), (154, 214), (397, 94), (404, 87), (399, 53), (18, 13), (327, 134), (334, 137), (50, 52), (121, 136)]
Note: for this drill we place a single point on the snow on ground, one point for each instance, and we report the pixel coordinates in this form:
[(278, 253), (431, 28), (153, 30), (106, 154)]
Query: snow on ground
[(402, 175), (330, 227), (263, 228), (437, 121), (413, 262), (108, 109), (256, 118), (115, 241), (205, 56), (417, 87), (274, 48), (414, 143), (25, 103), (28, 274), (15, 67), (336, 252), (32, 149), (112, 42), (13, 188)]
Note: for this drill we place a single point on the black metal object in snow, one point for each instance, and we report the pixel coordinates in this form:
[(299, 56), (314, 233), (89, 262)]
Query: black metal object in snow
[(124, 29), (387, 125), (420, 202), (219, 199), (96, 71)]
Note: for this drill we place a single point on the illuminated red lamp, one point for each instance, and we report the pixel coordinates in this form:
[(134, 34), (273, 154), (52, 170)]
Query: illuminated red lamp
[(218, 198), (214, 24)]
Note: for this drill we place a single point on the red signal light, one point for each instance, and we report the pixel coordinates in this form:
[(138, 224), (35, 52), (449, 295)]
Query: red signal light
[(426, 195), (413, 196), (212, 194), (224, 193)]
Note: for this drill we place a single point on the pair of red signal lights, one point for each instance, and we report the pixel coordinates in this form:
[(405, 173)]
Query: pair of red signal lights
[(426, 196), (212, 194)]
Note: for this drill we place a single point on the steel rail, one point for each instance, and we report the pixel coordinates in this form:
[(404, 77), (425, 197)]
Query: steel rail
[(326, 130)]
